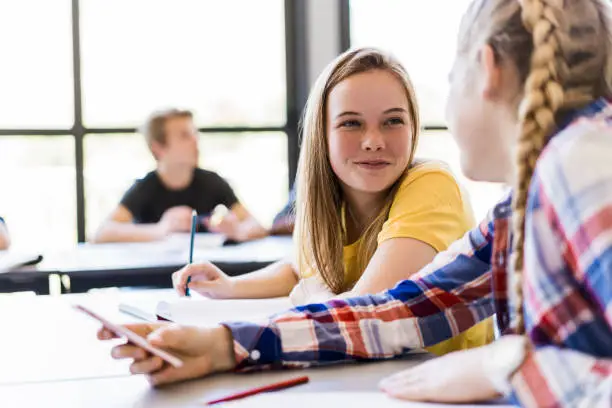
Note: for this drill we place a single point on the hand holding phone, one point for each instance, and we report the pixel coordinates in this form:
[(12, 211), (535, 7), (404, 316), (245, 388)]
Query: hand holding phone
[(132, 337)]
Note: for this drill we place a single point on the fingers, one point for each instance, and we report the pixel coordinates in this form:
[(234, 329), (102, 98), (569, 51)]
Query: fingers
[(198, 272), (212, 226), (179, 278), (397, 380), (128, 351), (142, 329), (147, 366), (408, 385), (143, 362), (204, 288), (168, 374), (172, 336), (105, 334), (191, 343), (176, 282), (229, 223), (416, 391), (164, 376)]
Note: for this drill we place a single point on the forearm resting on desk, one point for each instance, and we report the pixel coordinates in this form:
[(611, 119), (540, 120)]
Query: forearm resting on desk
[(250, 229), (274, 280), (240, 225), (115, 231)]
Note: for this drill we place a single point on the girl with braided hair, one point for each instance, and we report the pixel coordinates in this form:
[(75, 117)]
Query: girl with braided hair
[(530, 106)]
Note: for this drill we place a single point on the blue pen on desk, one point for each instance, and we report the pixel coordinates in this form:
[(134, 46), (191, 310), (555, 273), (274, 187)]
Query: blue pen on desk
[(194, 224)]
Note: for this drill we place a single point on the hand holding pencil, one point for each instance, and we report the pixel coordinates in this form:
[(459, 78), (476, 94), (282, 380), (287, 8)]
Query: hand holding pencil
[(205, 278)]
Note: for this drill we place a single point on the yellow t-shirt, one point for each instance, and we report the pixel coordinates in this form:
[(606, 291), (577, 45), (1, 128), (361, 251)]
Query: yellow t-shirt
[(431, 207)]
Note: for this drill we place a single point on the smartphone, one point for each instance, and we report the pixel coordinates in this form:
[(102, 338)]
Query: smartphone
[(132, 337)]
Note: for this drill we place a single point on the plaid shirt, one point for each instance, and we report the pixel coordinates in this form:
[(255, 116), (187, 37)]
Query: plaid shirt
[(567, 286)]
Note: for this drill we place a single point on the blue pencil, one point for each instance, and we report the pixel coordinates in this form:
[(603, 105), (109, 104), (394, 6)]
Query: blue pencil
[(194, 223)]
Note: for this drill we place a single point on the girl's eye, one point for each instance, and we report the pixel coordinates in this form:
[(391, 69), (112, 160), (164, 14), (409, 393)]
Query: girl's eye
[(394, 122), (350, 124)]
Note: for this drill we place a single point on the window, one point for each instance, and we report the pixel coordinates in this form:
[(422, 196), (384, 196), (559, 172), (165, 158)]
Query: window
[(112, 163), (424, 40), (140, 55), (38, 196), (36, 72), (261, 178), (79, 76)]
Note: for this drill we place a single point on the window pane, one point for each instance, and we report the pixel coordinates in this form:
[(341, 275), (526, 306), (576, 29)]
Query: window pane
[(112, 164), (36, 69), (224, 59), (441, 146), (255, 165), (420, 36), (38, 188)]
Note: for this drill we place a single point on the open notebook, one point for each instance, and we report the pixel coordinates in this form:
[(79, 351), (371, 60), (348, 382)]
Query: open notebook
[(201, 311), (10, 261)]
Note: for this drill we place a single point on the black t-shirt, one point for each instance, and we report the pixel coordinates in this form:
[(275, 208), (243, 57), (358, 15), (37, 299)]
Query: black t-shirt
[(149, 198)]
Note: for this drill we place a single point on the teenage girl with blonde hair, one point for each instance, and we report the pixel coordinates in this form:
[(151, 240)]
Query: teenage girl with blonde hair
[(368, 213)]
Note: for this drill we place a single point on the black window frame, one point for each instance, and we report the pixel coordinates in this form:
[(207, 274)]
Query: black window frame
[(296, 91)]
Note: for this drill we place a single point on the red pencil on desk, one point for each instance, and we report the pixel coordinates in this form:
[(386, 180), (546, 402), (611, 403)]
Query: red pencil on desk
[(265, 388)]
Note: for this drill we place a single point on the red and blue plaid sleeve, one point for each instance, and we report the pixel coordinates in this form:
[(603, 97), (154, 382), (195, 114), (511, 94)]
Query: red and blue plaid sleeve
[(451, 295)]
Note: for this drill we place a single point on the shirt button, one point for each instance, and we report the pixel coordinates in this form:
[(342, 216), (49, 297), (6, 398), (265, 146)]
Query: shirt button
[(255, 355)]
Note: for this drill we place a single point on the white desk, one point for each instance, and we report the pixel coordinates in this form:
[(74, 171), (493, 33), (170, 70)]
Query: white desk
[(49, 357), (135, 392)]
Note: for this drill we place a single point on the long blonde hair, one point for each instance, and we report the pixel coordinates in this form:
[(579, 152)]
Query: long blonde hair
[(562, 51), (319, 232)]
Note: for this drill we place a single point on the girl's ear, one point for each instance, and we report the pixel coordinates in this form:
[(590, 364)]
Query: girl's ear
[(491, 73)]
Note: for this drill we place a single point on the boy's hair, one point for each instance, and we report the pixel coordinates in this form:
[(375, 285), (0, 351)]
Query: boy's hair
[(154, 128), (563, 53), (319, 227)]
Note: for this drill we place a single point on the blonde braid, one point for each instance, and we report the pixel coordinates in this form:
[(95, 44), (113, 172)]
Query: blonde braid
[(542, 98)]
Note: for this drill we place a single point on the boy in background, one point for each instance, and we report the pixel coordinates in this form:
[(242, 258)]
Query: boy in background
[(161, 203)]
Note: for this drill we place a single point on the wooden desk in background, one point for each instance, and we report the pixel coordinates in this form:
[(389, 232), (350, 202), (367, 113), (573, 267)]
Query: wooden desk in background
[(141, 264)]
